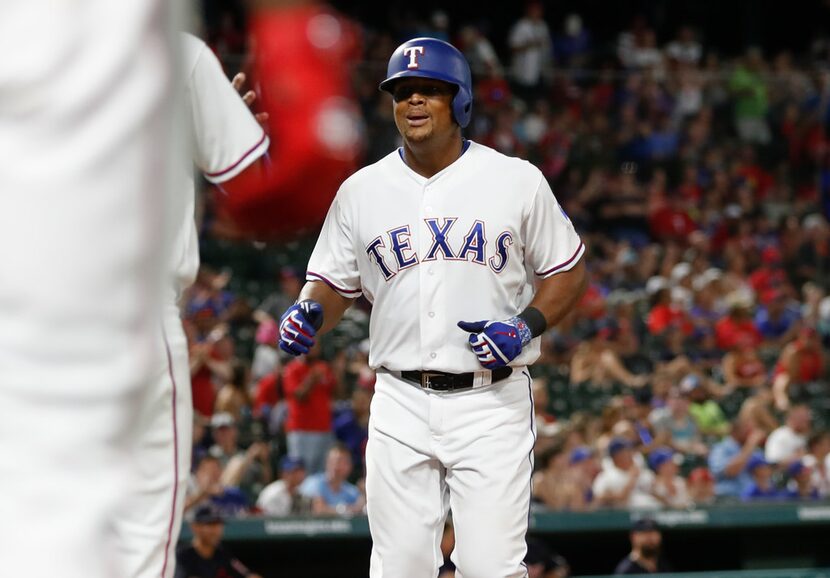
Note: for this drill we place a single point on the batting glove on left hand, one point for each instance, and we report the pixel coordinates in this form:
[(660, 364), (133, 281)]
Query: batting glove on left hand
[(299, 325), (497, 343)]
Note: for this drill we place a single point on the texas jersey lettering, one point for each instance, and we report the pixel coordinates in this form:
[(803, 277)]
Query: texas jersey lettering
[(398, 254), (460, 259)]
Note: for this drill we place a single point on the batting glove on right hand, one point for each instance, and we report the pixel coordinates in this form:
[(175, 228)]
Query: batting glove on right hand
[(299, 325)]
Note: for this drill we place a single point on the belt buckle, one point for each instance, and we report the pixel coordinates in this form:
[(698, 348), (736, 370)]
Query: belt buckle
[(426, 376)]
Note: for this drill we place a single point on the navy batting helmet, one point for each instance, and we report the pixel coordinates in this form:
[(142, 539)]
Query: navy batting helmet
[(433, 58)]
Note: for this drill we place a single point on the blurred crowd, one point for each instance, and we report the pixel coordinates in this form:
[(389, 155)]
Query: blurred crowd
[(693, 370)]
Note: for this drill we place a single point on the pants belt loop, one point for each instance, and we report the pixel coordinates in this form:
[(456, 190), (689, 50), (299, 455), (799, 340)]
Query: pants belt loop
[(482, 378)]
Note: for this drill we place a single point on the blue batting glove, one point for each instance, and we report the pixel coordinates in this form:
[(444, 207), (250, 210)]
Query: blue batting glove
[(299, 325), (497, 343)]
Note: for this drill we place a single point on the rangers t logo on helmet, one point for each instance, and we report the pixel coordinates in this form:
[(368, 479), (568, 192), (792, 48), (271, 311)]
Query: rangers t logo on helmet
[(412, 52)]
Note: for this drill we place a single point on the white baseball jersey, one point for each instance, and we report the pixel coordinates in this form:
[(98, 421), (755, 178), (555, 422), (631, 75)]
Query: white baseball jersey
[(224, 139), (85, 93), (467, 244)]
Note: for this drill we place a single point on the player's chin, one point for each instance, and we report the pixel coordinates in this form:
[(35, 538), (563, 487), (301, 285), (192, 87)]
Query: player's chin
[(418, 133)]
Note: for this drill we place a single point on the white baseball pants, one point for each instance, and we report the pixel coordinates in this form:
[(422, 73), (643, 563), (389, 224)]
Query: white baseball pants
[(470, 452)]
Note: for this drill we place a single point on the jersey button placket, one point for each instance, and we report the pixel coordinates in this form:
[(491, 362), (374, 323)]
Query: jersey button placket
[(430, 331)]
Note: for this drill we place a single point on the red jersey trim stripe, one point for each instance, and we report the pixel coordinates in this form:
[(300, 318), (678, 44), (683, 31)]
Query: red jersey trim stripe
[(565, 264), (217, 176), (319, 277)]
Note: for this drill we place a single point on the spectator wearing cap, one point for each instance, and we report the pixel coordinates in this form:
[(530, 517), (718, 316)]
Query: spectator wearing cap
[(801, 485), (728, 459), (205, 556), (669, 487), (775, 319), (706, 412), (674, 426), (309, 384), (788, 443), (622, 483), (646, 545), (329, 491), (282, 497), (814, 253), (761, 487), (701, 486), (250, 469), (576, 487), (801, 361)]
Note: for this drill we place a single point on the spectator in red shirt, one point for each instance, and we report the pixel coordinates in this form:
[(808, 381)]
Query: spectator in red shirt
[(769, 275), (671, 220), (737, 327), (308, 385), (210, 366), (801, 361), (665, 313)]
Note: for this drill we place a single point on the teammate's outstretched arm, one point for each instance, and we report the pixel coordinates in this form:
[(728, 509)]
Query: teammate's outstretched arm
[(318, 310)]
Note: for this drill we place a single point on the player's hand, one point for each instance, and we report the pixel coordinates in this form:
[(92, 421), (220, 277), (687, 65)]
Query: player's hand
[(249, 97), (497, 343), (299, 325)]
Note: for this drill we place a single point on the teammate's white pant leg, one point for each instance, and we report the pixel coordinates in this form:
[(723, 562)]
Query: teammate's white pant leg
[(488, 450), (84, 88), (147, 527), (405, 490)]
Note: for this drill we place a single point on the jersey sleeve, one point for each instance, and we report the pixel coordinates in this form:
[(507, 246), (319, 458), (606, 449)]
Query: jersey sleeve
[(333, 260), (552, 244), (226, 136)]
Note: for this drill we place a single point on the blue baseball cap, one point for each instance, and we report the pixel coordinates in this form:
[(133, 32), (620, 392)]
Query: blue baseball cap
[(580, 454), (618, 444), (290, 463), (660, 456), (756, 461), (795, 468)]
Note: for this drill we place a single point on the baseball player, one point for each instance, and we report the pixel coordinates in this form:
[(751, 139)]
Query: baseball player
[(467, 258), (225, 140), (84, 140)]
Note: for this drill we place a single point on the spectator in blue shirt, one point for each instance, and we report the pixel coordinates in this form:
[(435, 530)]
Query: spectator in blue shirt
[(761, 487), (802, 485), (729, 458), (329, 491), (775, 320)]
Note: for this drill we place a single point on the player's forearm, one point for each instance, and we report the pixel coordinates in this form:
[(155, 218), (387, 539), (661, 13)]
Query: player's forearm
[(559, 293), (334, 304)]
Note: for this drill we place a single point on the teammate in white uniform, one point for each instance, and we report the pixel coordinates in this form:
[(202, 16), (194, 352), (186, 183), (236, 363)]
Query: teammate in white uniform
[(225, 139), (437, 235), (85, 88)]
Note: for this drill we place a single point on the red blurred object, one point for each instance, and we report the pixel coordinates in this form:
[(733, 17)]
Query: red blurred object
[(301, 62)]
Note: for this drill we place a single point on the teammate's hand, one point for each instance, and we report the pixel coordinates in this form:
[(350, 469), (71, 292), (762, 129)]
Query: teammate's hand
[(497, 343), (299, 325), (249, 97)]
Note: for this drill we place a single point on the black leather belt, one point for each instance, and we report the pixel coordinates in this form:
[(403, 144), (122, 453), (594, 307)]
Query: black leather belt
[(440, 381)]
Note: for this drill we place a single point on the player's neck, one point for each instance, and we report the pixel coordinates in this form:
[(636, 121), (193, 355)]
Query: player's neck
[(430, 158)]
